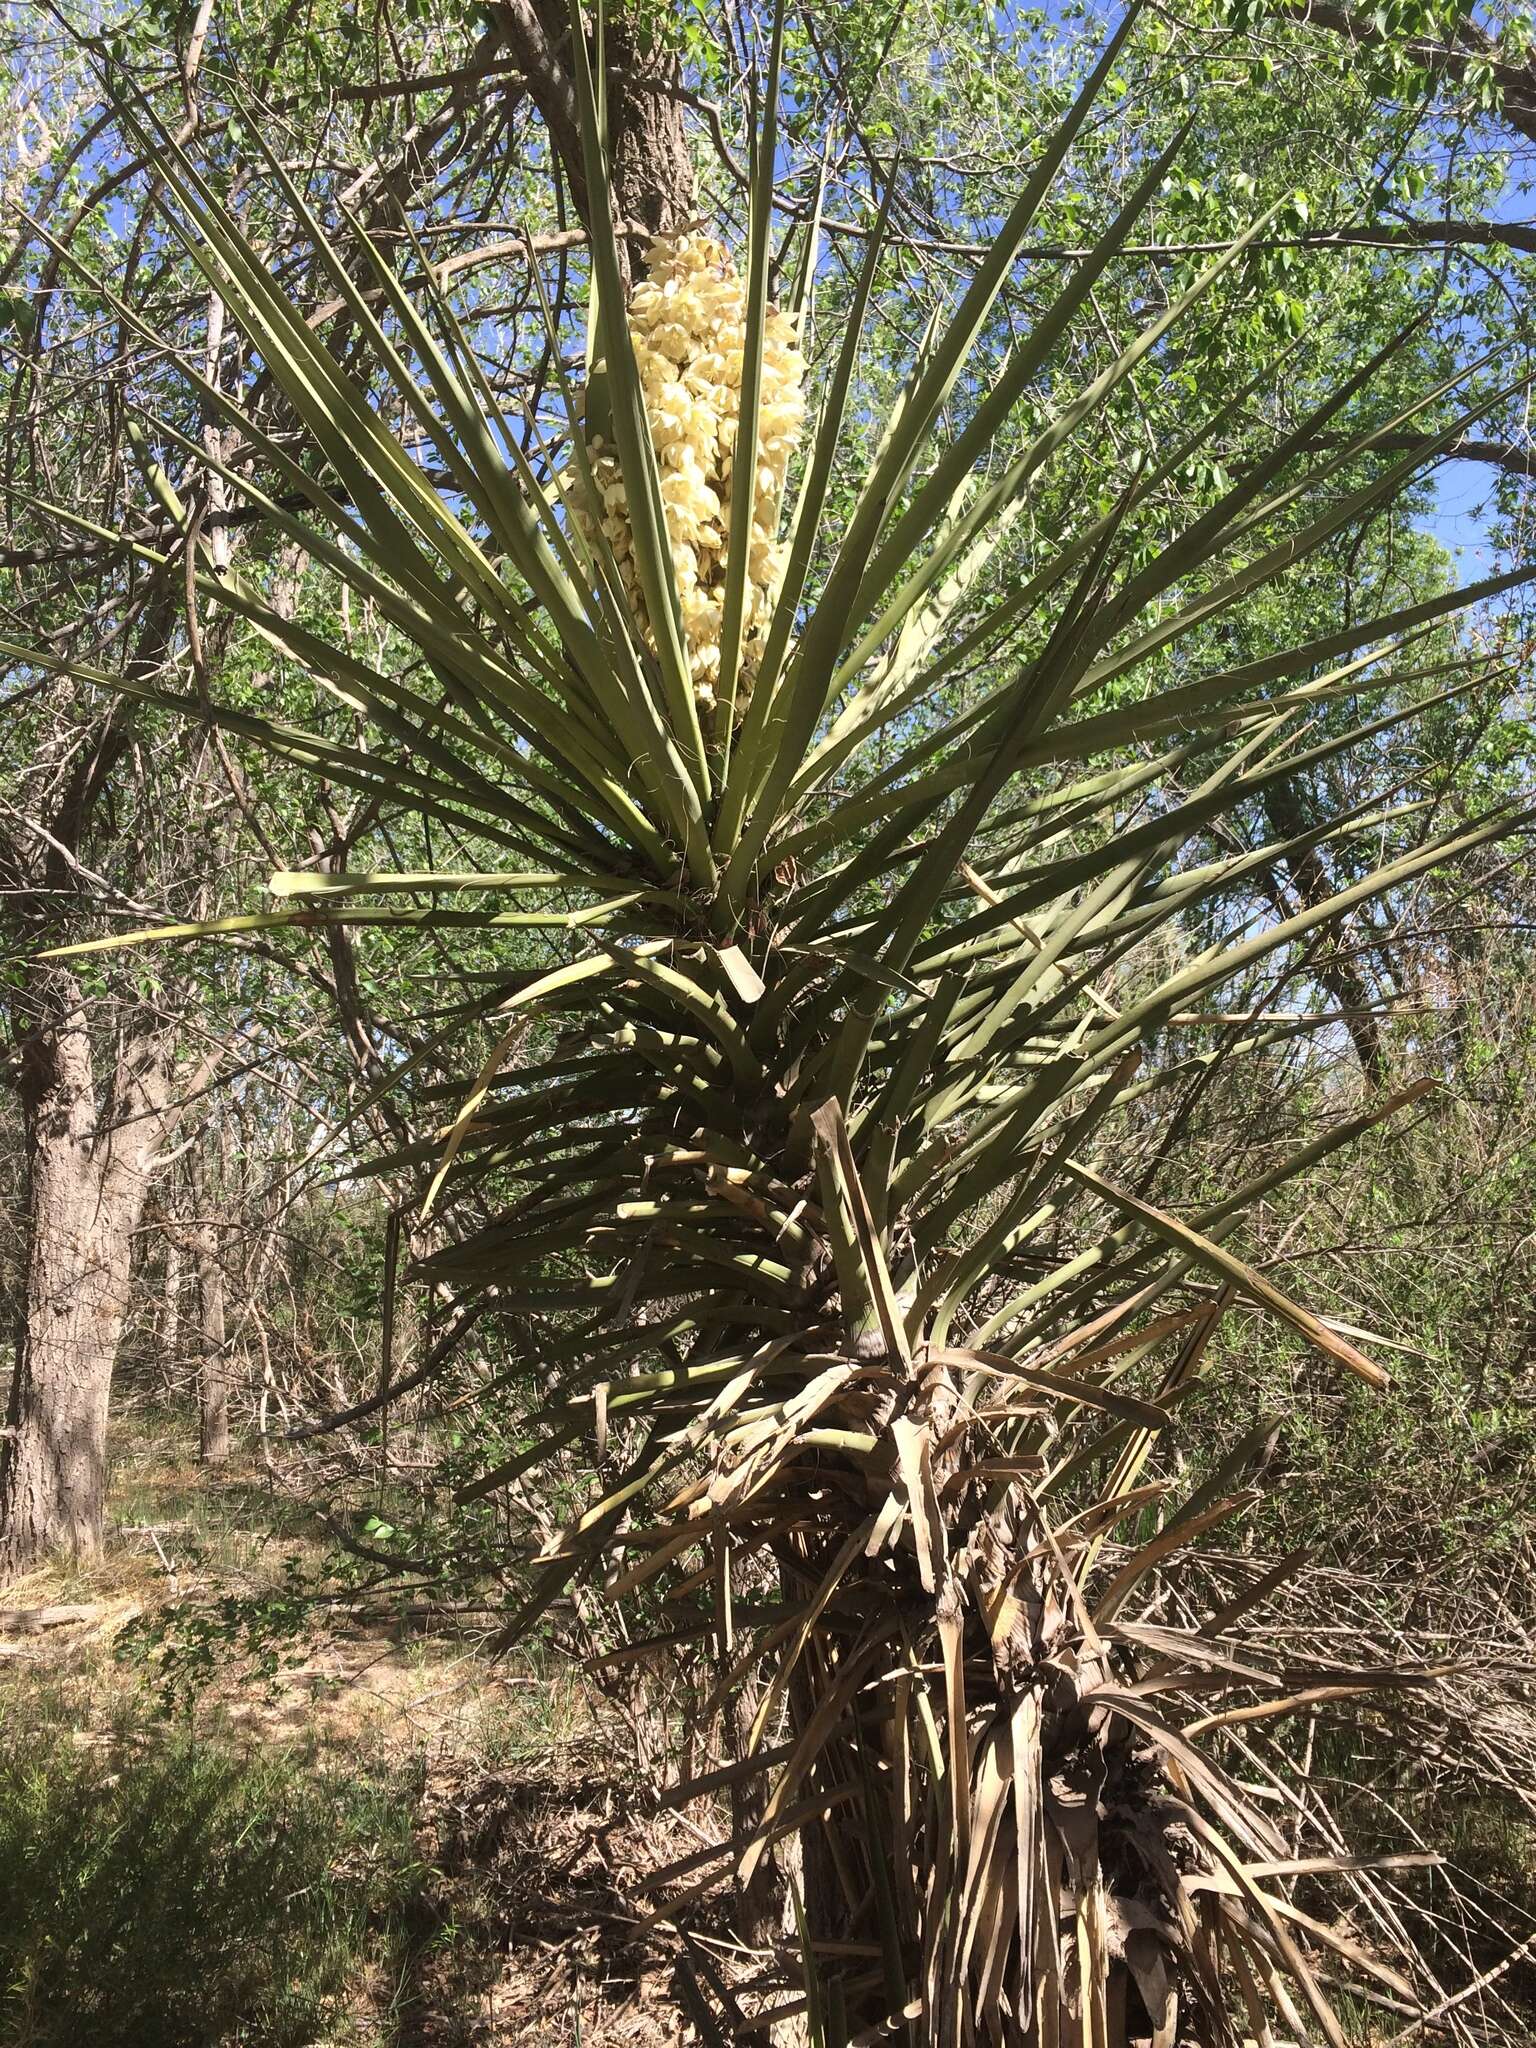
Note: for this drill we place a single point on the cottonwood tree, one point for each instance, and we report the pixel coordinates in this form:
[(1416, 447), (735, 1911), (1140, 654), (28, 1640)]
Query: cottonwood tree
[(102, 1073)]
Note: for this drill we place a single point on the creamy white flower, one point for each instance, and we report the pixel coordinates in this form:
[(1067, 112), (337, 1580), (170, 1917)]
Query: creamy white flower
[(687, 323)]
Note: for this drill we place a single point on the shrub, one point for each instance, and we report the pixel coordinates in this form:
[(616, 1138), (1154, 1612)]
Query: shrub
[(185, 1896)]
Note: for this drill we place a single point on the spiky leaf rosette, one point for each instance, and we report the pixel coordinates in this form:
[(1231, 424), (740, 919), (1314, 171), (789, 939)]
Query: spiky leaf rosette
[(806, 1205)]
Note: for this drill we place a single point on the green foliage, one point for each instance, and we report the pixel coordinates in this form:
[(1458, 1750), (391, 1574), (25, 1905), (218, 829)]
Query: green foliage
[(1422, 1234), (178, 1896), (184, 1649)]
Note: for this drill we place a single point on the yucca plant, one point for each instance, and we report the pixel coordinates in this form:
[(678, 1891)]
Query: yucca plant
[(874, 881)]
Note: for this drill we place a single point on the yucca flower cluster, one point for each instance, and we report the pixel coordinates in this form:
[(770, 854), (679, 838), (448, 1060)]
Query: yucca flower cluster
[(687, 321)]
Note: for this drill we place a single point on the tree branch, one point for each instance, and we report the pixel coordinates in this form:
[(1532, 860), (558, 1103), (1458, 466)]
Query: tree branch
[(1473, 46)]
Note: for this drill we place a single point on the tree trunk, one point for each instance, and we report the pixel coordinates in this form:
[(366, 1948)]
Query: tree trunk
[(652, 166), (213, 1370), (170, 1312), (757, 1901), (1311, 887), (213, 1379), (87, 1175)]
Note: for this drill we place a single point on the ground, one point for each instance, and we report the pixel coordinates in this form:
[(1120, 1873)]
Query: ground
[(292, 1822), (495, 1900)]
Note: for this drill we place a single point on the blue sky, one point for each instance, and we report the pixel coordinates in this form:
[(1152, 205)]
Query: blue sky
[(1459, 519)]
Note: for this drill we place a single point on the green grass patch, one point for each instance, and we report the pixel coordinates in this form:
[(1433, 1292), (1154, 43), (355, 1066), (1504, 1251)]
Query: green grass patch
[(182, 1895)]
